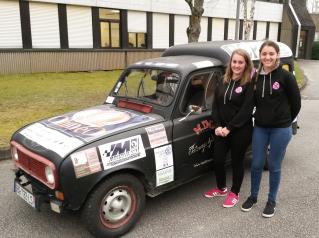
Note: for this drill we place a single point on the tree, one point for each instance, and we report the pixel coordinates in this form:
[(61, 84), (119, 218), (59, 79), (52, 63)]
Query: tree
[(248, 22), (197, 10)]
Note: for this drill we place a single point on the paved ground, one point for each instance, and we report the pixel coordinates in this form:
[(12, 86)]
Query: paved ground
[(183, 212)]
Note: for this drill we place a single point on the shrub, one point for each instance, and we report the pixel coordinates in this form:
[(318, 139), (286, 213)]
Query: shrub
[(315, 50)]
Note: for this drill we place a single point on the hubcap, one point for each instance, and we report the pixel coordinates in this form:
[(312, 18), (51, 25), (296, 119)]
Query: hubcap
[(116, 205)]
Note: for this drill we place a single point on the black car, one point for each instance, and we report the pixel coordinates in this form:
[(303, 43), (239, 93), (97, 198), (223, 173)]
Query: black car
[(152, 134)]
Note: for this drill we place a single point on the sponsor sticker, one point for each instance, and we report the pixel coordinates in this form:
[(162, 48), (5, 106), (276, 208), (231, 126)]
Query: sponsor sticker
[(109, 99), (122, 151), (164, 176), (171, 65), (156, 135), (164, 164), (51, 139), (203, 64), (163, 157), (86, 162), (194, 148), (95, 122), (203, 126)]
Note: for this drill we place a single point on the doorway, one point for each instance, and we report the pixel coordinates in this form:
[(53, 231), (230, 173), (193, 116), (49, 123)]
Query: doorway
[(302, 44)]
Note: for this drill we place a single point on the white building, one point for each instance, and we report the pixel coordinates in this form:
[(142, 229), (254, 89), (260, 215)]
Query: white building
[(74, 35)]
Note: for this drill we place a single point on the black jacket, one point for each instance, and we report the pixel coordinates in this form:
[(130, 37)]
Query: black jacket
[(277, 99), (233, 105)]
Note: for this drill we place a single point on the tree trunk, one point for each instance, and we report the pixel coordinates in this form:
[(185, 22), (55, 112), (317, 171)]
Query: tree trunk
[(248, 22), (194, 29)]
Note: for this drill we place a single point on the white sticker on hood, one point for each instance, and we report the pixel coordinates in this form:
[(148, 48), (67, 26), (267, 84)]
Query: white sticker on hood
[(51, 139), (122, 151), (156, 135)]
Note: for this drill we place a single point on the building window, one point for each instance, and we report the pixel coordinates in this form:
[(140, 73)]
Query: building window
[(110, 28), (136, 40)]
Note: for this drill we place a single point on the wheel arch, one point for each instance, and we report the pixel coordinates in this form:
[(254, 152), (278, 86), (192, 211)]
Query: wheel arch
[(129, 170)]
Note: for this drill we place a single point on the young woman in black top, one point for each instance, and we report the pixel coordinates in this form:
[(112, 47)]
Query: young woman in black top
[(278, 102), (232, 115)]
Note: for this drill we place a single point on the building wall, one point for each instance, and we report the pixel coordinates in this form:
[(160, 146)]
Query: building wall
[(286, 35), (64, 35)]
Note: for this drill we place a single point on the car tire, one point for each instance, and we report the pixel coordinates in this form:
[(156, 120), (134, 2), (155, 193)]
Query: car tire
[(114, 207)]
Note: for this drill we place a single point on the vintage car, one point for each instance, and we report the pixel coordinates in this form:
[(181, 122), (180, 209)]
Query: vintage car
[(152, 133)]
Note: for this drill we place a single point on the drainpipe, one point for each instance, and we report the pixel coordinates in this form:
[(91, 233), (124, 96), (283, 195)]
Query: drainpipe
[(299, 27)]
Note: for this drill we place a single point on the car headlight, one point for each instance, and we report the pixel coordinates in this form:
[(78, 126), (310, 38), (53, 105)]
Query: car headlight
[(14, 153), (49, 174)]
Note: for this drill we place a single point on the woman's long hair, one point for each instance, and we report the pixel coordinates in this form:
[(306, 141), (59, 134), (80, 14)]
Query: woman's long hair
[(246, 77)]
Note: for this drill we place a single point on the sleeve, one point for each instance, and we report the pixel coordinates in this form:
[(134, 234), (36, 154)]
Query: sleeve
[(215, 111), (293, 94), (245, 112)]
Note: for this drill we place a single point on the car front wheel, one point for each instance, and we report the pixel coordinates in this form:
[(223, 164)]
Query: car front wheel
[(114, 206)]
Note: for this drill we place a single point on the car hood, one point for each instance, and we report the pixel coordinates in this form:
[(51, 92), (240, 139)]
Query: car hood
[(65, 133)]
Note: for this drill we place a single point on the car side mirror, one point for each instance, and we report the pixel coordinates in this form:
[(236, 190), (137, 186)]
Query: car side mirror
[(193, 109)]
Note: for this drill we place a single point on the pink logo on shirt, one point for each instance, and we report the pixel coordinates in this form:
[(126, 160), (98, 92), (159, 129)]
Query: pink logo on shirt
[(276, 86), (239, 89)]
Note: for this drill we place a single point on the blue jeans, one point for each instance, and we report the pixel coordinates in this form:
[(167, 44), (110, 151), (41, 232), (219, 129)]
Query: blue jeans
[(278, 139)]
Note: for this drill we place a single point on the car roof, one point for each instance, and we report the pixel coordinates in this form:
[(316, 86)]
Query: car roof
[(223, 49), (182, 63)]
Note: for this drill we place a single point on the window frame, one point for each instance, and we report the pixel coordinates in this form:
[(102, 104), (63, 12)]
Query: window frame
[(109, 21), (136, 40)]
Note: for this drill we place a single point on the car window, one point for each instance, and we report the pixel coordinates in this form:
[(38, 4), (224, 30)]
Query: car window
[(214, 79), (200, 90), (153, 85), (195, 91)]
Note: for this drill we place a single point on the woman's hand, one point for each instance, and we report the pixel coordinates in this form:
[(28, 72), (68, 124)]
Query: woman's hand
[(225, 131), (218, 131)]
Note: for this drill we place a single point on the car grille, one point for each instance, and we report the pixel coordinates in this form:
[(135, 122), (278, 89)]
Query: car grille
[(33, 164)]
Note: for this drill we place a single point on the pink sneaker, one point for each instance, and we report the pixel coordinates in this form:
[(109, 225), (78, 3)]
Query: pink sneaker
[(231, 200), (216, 192)]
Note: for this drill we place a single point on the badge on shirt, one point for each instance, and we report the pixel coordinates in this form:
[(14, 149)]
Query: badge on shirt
[(239, 89), (276, 86)]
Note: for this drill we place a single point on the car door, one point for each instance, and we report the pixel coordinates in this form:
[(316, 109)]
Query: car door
[(193, 135)]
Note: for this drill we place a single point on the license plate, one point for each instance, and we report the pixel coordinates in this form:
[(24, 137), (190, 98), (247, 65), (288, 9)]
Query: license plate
[(24, 194)]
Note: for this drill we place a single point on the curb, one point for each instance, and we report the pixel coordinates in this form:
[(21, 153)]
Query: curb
[(5, 154)]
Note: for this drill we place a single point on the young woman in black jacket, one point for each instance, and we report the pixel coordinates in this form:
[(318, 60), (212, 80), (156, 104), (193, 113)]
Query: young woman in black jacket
[(232, 115), (278, 102)]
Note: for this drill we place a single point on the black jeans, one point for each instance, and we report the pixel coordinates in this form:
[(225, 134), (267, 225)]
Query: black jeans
[(237, 142)]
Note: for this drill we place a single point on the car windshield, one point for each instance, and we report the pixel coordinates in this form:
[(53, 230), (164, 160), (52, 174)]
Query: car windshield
[(152, 85)]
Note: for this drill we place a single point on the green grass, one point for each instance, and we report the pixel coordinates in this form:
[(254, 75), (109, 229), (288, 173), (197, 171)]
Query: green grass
[(25, 98), (299, 75)]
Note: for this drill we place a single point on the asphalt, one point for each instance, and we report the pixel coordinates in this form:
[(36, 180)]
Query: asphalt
[(5, 153)]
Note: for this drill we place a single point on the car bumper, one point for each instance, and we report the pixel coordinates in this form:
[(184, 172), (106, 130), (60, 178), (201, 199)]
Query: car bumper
[(35, 193)]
